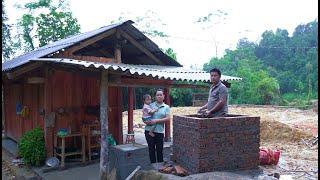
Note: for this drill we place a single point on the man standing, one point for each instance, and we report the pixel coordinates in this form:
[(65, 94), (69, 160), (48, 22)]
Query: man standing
[(217, 101)]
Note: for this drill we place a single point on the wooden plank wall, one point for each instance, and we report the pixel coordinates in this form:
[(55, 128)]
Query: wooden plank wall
[(69, 90), (30, 95)]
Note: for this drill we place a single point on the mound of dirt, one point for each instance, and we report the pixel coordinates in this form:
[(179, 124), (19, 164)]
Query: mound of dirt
[(277, 131), (277, 124)]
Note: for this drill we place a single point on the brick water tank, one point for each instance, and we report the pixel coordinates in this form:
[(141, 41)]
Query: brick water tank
[(221, 143)]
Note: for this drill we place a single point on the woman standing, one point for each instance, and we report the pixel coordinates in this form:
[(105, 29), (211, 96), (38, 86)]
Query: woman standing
[(155, 143)]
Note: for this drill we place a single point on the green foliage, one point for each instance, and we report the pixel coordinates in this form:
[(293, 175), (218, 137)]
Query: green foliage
[(268, 89), (149, 23), (278, 70), (293, 59), (181, 96), (32, 147), (6, 35), (212, 17), (293, 99), (46, 22), (257, 87), (27, 24), (55, 26), (170, 53)]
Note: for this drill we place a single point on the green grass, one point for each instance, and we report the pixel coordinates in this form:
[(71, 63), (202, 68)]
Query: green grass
[(298, 100)]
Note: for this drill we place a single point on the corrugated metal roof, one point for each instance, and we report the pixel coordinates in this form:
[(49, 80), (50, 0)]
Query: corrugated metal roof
[(154, 71), (53, 47), (67, 42)]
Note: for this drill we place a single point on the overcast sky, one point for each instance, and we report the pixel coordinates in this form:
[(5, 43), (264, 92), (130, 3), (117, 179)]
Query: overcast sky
[(193, 44)]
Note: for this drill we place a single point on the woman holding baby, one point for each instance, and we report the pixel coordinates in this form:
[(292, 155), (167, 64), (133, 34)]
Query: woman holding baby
[(156, 114)]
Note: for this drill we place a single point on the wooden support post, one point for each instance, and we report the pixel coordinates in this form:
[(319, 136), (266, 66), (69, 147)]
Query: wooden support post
[(130, 110), (83, 148), (4, 127), (48, 130), (55, 145), (117, 51), (134, 100), (104, 157), (167, 133), (63, 151)]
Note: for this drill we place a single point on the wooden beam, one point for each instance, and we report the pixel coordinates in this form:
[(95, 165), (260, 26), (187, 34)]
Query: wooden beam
[(189, 86), (130, 110), (105, 52), (140, 47), (117, 54), (35, 80), (15, 73), (104, 150), (135, 85), (48, 131), (85, 58), (83, 70), (91, 41), (114, 78), (4, 126), (102, 50), (151, 83), (117, 50), (145, 81)]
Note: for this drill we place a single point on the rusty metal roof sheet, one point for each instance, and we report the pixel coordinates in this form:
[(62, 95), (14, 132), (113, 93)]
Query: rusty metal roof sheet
[(154, 71)]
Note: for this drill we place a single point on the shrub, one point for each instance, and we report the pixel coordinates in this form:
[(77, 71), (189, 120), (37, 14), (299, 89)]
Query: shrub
[(31, 147)]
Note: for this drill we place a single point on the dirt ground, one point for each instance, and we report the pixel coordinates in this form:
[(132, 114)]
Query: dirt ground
[(281, 128), (7, 172), (10, 171)]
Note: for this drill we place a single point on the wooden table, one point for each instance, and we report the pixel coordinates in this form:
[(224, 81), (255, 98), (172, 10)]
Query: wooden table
[(63, 154)]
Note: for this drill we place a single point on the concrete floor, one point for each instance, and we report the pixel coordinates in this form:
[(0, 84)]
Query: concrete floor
[(77, 173), (90, 172), (10, 146)]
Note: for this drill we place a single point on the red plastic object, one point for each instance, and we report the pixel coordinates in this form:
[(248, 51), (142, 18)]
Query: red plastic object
[(268, 156)]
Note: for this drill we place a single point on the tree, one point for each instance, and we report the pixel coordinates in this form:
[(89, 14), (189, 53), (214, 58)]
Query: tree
[(209, 22), (287, 57), (7, 50), (149, 23), (46, 22), (257, 87), (278, 69), (170, 53)]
